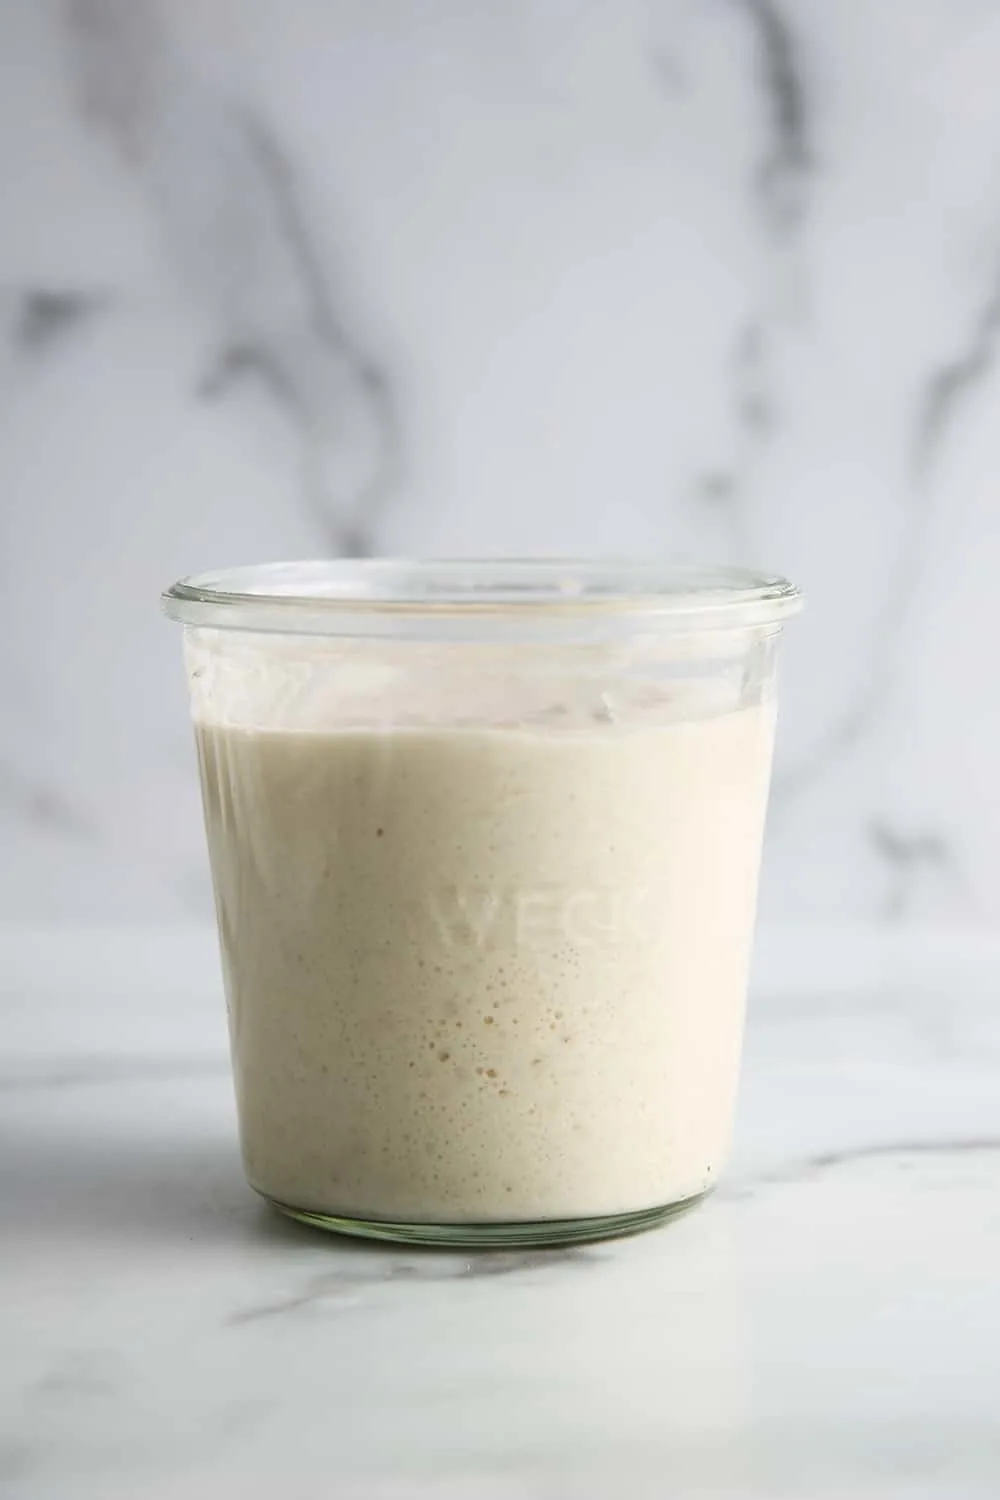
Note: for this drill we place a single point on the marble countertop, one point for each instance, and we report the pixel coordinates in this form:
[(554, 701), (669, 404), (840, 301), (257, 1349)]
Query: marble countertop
[(827, 1325)]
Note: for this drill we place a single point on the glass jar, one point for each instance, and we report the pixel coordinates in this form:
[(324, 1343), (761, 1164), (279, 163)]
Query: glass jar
[(484, 840)]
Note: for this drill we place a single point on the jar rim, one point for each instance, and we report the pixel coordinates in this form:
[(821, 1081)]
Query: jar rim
[(379, 595)]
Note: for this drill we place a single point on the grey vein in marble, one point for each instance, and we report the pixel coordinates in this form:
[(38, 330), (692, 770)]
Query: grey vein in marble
[(43, 316), (781, 185), (788, 158), (852, 726), (955, 381), (380, 1266), (238, 234), (749, 365), (43, 804), (945, 392), (667, 70), (80, 1373), (974, 1145), (908, 856), (98, 1071), (282, 378), (872, 696), (820, 1162)]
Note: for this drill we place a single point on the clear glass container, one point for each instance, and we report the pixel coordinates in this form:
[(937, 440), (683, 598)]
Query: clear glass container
[(484, 840)]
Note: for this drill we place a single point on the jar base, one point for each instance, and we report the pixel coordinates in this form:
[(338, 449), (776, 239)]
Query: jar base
[(523, 1235)]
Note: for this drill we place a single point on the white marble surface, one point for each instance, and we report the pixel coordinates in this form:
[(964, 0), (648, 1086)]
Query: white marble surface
[(827, 1325), (711, 276)]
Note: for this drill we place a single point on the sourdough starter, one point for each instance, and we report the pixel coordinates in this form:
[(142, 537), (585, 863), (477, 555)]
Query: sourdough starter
[(482, 974)]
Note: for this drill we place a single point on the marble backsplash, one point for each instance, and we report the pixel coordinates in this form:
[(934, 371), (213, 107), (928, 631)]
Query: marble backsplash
[(712, 277)]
